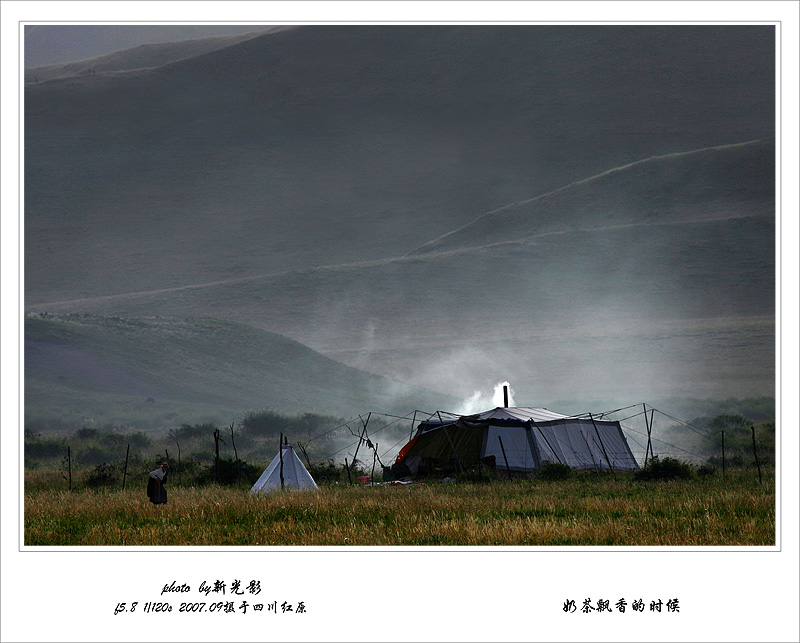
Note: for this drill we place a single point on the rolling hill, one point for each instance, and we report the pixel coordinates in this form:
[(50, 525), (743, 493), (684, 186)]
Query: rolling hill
[(588, 212), (140, 57), (53, 44), (664, 270), (166, 371), (323, 145)]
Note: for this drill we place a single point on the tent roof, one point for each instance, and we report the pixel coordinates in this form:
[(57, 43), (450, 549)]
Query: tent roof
[(512, 415), (524, 413)]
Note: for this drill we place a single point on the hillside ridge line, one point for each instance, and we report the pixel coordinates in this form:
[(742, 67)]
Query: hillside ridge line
[(509, 206), (418, 252)]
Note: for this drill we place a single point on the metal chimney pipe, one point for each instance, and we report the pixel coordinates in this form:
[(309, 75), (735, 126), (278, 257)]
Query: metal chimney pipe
[(505, 397)]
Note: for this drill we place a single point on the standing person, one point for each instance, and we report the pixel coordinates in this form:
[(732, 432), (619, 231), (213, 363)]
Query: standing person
[(155, 485)]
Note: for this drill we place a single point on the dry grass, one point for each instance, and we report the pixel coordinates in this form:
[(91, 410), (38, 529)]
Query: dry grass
[(583, 511)]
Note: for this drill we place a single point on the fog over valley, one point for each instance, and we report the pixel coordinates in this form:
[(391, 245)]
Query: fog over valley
[(349, 218)]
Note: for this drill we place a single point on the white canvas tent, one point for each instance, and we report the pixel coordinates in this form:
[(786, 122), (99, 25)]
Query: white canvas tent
[(295, 475), (529, 436)]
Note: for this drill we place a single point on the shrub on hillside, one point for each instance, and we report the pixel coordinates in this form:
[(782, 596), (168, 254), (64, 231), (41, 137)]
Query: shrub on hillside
[(706, 471), (103, 475), (44, 448), (730, 460), (188, 432), (328, 472), (664, 469), (96, 446), (230, 472), (87, 433), (94, 455), (268, 423)]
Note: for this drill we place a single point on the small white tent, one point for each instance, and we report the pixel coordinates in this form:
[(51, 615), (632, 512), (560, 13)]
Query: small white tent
[(295, 475)]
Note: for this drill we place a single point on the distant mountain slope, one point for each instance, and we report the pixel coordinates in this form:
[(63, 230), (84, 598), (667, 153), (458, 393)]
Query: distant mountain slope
[(600, 201), (684, 244), (80, 366), (701, 221), (730, 181), (49, 44), (141, 57), (321, 145)]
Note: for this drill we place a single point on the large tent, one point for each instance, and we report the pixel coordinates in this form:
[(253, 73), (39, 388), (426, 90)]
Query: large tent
[(295, 475), (525, 438)]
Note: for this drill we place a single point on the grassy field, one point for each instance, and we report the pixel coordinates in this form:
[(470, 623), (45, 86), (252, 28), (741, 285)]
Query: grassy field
[(585, 510)]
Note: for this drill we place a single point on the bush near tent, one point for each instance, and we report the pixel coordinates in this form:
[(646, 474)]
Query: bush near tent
[(553, 471), (331, 472), (231, 472), (665, 469)]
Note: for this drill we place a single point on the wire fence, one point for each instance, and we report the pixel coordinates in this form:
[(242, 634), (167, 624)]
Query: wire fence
[(648, 441)]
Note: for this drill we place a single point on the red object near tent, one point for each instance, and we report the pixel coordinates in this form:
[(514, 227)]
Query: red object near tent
[(405, 450)]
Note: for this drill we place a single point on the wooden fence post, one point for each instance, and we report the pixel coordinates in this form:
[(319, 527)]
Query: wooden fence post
[(755, 453), (235, 454), (69, 467), (723, 454), (216, 453), (347, 467), (233, 444), (125, 470)]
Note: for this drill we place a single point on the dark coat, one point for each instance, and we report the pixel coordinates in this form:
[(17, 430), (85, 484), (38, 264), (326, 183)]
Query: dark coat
[(156, 491)]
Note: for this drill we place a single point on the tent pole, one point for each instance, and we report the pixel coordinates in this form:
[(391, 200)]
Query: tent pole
[(452, 446), (413, 421), (647, 425), (361, 437), (602, 448), (591, 455), (280, 453), (532, 445), (502, 448), (547, 442)]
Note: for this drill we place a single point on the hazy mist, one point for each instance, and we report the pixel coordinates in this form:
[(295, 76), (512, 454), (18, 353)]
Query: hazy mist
[(587, 212)]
